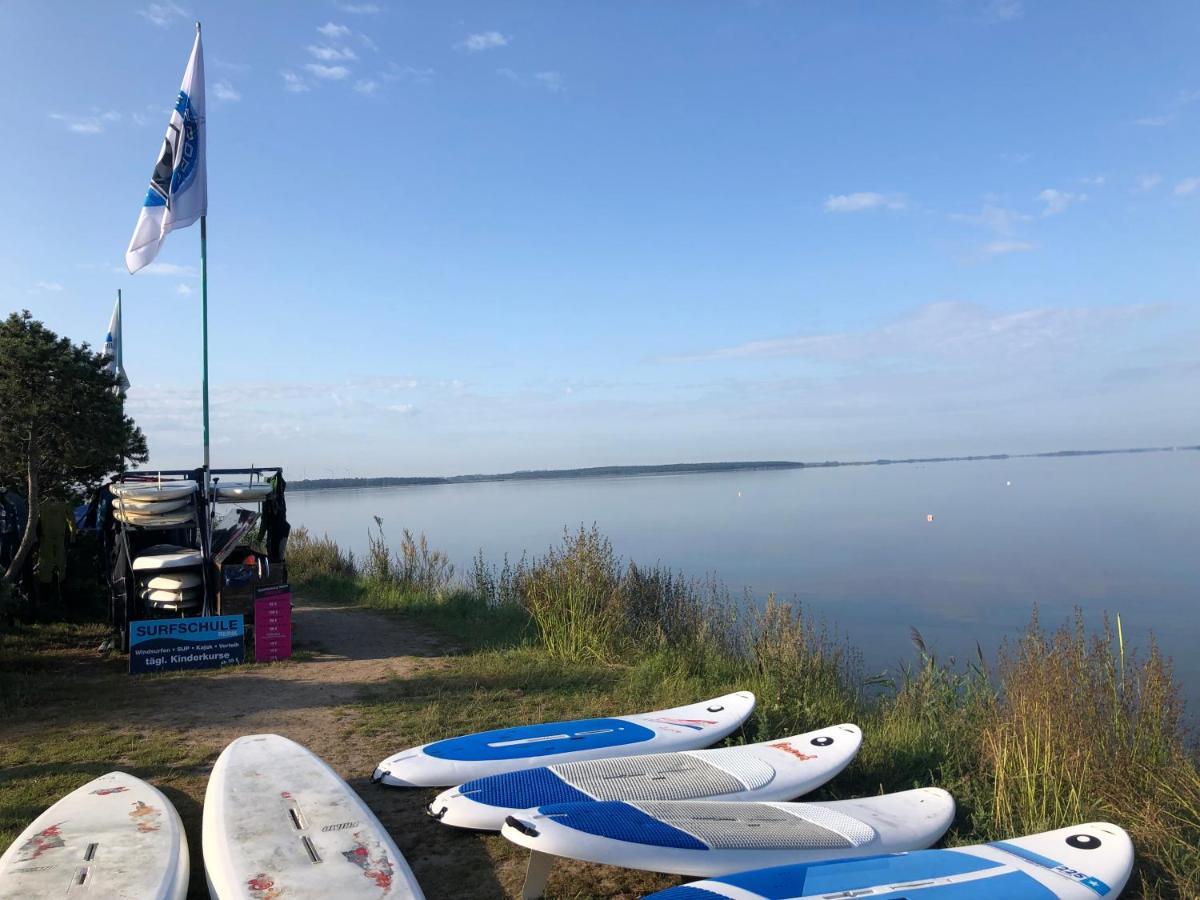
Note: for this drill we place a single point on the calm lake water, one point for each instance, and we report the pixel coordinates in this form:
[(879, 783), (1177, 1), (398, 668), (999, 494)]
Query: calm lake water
[(1104, 533)]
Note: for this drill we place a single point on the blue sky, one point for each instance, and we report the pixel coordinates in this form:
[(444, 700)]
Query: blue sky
[(455, 237)]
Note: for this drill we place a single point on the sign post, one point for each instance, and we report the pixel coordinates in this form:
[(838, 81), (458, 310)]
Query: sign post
[(203, 642)]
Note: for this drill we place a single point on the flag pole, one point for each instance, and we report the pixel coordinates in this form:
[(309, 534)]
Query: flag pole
[(204, 318), (118, 338)]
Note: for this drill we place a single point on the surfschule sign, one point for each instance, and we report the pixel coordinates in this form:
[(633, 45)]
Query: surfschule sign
[(206, 642)]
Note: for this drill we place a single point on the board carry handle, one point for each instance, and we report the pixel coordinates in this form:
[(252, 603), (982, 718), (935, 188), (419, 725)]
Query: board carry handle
[(578, 735)]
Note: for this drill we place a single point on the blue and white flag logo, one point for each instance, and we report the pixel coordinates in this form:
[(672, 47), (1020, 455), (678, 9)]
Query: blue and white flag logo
[(178, 193)]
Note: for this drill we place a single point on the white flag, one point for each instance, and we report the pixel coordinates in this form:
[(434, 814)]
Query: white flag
[(112, 347), (178, 193)]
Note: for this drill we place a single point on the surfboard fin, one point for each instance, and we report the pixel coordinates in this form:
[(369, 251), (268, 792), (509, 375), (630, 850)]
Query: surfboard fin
[(537, 875)]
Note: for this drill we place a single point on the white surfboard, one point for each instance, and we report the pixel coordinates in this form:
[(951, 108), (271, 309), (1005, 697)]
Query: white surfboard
[(243, 493), (153, 490), (172, 519), (174, 559), (712, 837), (1083, 862), (116, 837), (176, 581), (176, 598), (280, 823), (460, 759), (782, 769), (150, 507)]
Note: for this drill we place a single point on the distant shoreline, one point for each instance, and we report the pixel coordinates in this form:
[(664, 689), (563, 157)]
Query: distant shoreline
[(327, 484)]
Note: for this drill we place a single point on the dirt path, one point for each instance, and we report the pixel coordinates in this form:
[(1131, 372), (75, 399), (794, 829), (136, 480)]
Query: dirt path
[(354, 648), (316, 700)]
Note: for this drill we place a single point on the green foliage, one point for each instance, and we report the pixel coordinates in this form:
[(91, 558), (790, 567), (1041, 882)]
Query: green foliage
[(1064, 727), (63, 426), (60, 412)]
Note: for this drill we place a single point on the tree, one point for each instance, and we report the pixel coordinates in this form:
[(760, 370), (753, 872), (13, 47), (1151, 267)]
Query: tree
[(62, 419)]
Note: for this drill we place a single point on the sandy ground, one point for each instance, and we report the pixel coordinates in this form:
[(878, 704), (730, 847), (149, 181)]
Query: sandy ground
[(313, 702)]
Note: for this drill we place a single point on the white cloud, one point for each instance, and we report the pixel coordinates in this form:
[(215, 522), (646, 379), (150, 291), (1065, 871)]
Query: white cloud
[(1172, 110), (997, 248), (996, 218), (366, 86), (358, 9), (1187, 186), (1094, 180), (944, 329), (551, 81), (329, 73), (404, 409), (47, 286), (397, 72), (327, 53), (223, 90), (293, 82), (185, 289), (94, 123), (333, 31), (1058, 201), (861, 200), (1004, 10), (163, 14), (484, 40), (1149, 181)]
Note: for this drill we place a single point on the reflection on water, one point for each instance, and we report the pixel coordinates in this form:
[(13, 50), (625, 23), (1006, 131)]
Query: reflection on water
[(1105, 533)]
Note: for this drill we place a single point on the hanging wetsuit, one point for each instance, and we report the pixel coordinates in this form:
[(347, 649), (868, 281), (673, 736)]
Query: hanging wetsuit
[(55, 522)]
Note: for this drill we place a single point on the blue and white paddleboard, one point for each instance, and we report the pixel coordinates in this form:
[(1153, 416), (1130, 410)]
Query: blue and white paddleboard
[(782, 769), (457, 760), (713, 837), (1083, 862)]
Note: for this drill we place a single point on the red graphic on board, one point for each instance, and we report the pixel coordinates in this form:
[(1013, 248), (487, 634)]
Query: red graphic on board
[(104, 792), (379, 870), (788, 748), (262, 887), (46, 839), (147, 817)]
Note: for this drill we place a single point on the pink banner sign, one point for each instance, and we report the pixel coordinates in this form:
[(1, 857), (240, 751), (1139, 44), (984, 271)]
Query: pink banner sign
[(273, 624)]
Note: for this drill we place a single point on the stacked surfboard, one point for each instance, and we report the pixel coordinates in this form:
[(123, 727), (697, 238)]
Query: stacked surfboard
[(242, 493), (155, 504), (170, 578)]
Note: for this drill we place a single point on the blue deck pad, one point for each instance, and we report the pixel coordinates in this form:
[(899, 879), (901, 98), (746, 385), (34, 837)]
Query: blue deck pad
[(546, 739), (522, 790), (621, 822), (684, 892), (780, 882)]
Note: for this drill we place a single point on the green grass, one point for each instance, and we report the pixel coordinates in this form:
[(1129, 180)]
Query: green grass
[(41, 662), (1062, 727)]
